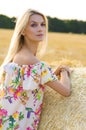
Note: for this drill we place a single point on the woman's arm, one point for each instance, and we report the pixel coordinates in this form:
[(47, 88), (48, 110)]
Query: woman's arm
[(62, 86)]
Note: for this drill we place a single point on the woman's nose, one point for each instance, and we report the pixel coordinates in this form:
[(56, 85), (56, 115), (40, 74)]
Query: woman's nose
[(40, 28)]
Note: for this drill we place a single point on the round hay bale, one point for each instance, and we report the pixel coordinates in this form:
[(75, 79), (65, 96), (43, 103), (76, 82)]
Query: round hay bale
[(66, 113)]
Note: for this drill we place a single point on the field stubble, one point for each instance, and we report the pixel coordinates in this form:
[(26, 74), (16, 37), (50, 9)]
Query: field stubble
[(63, 48)]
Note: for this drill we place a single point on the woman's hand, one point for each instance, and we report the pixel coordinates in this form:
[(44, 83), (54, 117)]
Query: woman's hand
[(62, 68)]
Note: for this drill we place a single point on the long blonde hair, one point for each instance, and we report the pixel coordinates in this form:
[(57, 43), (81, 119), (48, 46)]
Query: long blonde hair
[(17, 40)]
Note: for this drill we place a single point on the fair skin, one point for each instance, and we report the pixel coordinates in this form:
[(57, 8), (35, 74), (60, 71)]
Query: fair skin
[(33, 35)]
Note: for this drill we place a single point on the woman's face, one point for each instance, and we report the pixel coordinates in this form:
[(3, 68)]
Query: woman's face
[(36, 28)]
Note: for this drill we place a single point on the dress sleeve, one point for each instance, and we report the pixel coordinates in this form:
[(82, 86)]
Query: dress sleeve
[(47, 74)]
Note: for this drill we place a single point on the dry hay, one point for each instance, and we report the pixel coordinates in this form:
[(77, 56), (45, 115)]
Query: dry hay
[(66, 113)]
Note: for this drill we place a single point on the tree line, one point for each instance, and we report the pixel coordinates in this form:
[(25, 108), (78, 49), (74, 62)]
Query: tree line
[(55, 24)]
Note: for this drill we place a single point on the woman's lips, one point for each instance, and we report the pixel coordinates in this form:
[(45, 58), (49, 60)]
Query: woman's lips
[(40, 35)]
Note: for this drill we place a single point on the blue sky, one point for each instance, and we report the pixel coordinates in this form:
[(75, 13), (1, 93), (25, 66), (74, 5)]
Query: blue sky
[(62, 9)]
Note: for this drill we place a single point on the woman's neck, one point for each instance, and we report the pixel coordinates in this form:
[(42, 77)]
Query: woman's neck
[(31, 47)]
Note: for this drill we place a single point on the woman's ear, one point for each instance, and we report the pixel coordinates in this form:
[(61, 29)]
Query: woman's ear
[(23, 32)]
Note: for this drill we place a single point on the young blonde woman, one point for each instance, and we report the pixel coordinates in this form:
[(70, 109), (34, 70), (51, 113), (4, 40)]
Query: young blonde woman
[(24, 76)]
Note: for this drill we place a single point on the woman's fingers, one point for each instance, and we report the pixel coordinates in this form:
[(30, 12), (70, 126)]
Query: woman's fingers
[(61, 68)]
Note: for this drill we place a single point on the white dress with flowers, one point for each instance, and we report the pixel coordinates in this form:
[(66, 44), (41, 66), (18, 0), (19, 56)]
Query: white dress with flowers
[(21, 95)]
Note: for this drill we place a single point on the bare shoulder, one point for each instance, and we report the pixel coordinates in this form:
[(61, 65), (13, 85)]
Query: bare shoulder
[(25, 59)]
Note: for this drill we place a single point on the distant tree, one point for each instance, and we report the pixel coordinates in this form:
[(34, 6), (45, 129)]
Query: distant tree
[(83, 27), (74, 26), (6, 22), (55, 24)]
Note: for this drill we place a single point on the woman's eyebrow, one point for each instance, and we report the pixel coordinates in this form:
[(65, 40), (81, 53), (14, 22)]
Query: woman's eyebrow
[(37, 22)]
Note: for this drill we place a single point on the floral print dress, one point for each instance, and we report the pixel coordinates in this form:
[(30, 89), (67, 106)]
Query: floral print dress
[(21, 95)]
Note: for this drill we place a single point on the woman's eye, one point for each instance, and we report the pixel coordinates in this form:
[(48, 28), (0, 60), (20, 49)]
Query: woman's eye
[(33, 25), (43, 24)]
